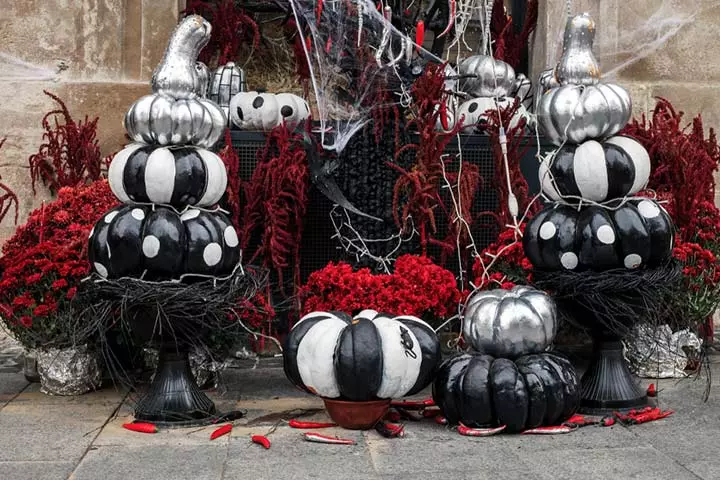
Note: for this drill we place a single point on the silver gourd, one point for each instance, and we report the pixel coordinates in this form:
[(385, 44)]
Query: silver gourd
[(483, 76), (202, 79), (510, 323), (577, 64)]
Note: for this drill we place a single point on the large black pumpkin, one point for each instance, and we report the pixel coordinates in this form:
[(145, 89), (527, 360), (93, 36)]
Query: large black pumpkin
[(481, 391), (159, 242), (639, 233), (166, 175), (364, 358), (615, 168)]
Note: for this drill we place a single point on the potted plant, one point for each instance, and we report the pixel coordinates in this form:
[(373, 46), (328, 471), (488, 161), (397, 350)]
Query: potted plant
[(43, 265)]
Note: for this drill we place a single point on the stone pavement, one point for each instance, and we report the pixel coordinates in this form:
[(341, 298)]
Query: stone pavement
[(52, 438)]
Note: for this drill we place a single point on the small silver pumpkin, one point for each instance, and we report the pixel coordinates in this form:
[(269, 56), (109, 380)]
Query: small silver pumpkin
[(510, 323), (576, 113), (486, 77), (163, 120)]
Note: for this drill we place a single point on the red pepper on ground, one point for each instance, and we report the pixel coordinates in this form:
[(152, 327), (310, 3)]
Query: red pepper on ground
[(479, 432), (298, 424), (141, 427), (390, 430), (219, 432), (414, 404), (317, 438), (261, 440), (651, 392), (554, 430), (440, 420)]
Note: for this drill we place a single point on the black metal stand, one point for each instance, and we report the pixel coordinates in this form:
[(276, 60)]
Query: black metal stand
[(608, 385), (174, 398)]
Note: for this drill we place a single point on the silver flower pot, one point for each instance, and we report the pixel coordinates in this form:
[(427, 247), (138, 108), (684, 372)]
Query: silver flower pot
[(68, 371)]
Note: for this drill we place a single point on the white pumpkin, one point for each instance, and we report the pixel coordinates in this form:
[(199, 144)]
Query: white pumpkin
[(473, 113), (265, 111)]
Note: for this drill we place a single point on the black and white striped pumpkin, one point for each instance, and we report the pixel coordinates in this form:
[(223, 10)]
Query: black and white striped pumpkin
[(135, 239), (637, 234), (510, 323), (615, 168), (480, 391), (364, 358), (177, 176)]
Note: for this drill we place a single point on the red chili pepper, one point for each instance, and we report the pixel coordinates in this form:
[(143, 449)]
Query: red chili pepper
[(549, 430), (414, 404), (317, 438), (440, 420), (651, 392), (419, 35), (261, 440), (298, 424), (328, 45), (141, 427), (308, 43), (607, 422), (219, 432), (479, 432), (318, 11), (444, 117), (390, 430)]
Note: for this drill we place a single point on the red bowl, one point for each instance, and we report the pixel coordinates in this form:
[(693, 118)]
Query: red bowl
[(356, 415)]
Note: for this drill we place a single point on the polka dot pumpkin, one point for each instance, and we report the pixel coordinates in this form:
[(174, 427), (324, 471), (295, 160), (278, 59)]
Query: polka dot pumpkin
[(136, 239), (638, 234)]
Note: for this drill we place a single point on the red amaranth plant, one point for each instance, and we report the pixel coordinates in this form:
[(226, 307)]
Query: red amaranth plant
[(70, 155), (232, 164), (276, 201), (509, 44), (502, 264), (416, 287), (416, 196), (7, 197), (44, 262), (232, 27)]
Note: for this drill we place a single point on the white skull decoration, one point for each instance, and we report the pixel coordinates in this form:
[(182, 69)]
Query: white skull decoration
[(265, 111)]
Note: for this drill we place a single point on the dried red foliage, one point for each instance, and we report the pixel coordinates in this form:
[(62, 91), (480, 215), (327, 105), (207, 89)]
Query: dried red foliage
[(416, 287), (45, 260), (7, 197), (516, 149), (297, 43), (276, 201), (509, 44), (510, 266), (70, 155), (417, 192), (683, 160), (232, 164), (232, 27)]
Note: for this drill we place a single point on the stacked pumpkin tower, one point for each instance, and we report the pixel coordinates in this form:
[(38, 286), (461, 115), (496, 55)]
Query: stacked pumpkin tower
[(593, 229), (168, 176)]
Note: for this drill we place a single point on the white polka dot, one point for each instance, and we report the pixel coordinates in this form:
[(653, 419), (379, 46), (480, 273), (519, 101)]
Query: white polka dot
[(212, 254), (190, 214), (109, 217), (648, 209), (231, 238), (151, 246), (606, 234), (138, 214), (569, 260), (547, 230), (92, 230), (100, 269), (633, 260)]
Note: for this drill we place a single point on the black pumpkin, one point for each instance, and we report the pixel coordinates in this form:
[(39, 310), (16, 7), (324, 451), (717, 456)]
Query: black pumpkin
[(371, 356), (161, 243), (176, 176), (535, 390), (639, 233), (615, 168)]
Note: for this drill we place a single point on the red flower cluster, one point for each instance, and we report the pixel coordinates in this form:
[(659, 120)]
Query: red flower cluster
[(509, 267), (44, 261), (417, 287)]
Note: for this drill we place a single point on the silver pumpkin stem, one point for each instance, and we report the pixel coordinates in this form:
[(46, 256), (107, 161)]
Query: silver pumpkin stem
[(176, 74)]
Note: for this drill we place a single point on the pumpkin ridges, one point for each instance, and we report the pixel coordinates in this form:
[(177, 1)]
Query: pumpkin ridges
[(536, 397), (509, 395), (476, 411), (445, 388), (292, 343), (430, 348), (398, 364), (570, 383), (555, 403), (357, 357)]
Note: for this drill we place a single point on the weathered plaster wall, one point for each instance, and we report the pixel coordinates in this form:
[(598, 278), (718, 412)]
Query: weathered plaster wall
[(685, 69), (101, 54)]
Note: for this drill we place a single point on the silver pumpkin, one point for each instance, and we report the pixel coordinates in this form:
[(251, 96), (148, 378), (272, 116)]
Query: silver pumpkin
[(578, 65), (228, 80), (202, 78), (546, 81), (510, 323), (483, 76), (575, 113), (176, 75), (163, 120)]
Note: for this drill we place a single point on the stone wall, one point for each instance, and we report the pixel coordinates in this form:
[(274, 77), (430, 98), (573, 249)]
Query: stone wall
[(685, 69), (100, 55)]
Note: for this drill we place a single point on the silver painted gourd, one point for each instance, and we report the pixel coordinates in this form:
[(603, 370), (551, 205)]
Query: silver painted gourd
[(510, 323), (577, 64), (487, 77), (576, 113), (176, 75), (202, 79)]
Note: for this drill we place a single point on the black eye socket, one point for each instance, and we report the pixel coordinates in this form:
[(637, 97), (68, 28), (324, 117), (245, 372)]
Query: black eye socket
[(286, 111), (258, 102), (473, 106), (240, 114)]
